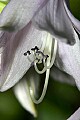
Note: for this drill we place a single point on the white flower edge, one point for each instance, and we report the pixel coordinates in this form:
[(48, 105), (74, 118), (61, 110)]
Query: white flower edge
[(22, 93), (75, 116)]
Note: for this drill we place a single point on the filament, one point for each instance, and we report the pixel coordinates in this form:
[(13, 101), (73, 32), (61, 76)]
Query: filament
[(53, 56), (47, 65), (45, 55), (43, 92), (37, 70)]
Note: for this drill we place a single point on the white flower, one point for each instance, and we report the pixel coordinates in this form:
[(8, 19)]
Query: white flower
[(18, 34)]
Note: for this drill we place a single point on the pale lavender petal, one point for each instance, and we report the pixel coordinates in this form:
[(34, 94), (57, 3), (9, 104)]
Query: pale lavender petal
[(18, 13), (74, 21), (68, 59), (2, 39), (34, 80), (75, 116), (54, 18), (61, 76), (14, 64)]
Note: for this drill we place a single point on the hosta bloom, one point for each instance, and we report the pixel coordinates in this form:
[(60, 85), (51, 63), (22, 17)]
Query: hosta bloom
[(64, 26), (18, 24)]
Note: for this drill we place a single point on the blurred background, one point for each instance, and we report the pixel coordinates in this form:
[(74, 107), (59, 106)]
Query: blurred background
[(60, 101)]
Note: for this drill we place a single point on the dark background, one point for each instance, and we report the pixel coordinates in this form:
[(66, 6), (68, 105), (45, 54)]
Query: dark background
[(59, 103)]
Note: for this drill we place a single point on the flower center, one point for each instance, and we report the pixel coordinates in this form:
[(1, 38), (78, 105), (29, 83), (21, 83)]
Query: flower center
[(46, 56)]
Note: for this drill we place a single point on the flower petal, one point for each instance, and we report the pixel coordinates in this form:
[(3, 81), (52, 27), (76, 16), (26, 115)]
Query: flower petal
[(75, 116), (54, 18), (22, 93), (68, 59), (14, 63), (18, 13), (33, 79), (75, 22), (61, 76)]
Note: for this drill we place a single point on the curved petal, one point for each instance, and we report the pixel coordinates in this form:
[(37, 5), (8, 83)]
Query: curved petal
[(22, 93), (68, 59), (18, 13), (54, 18), (33, 80), (61, 76), (75, 22), (75, 116), (14, 64)]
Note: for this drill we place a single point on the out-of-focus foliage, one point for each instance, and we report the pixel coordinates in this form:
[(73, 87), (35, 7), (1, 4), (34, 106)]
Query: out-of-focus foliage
[(60, 102), (4, 1), (75, 8), (10, 109), (2, 5)]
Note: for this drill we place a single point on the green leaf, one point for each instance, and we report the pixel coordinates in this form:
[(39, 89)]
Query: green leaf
[(2, 5), (4, 1)]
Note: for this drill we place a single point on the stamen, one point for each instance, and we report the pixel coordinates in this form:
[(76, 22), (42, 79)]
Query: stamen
[(43, 92), (27, 54), (53, 56), (41, 57), (46, 59), (36, 48), (37, 70), (50, 43)]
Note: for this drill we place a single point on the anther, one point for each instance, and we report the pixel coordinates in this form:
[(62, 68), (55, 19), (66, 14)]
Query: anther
[(46, 56), (40, 56), (36, 48), (27, 53)]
